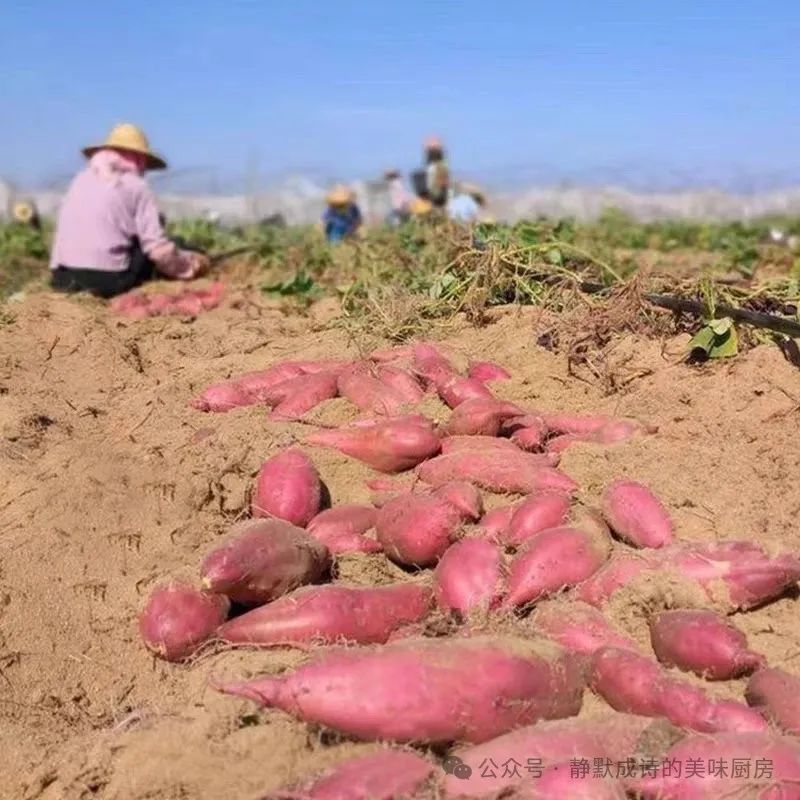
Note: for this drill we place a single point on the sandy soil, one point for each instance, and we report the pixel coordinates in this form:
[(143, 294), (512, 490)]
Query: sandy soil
[(109, 483)]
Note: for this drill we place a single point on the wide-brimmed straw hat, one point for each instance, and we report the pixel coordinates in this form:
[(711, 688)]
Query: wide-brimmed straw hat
[(419, 207), (339, 196), (129, 137)]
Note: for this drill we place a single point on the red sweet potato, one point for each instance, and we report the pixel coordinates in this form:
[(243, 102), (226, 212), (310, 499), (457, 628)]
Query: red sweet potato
[(384, 775), (776, 694), (522, 420), (403, 382), (613, 432), (495, 523), (362, 386), (578, 627), (636, 515), (469, 577), (617, 573), (524, 473), (486, 372), (341, 529), (635, 684), (391, 445), (456, 390), (385, 355), (761, 766), (430, 365), (464, 496), (565, 422), (530, 438), (612, 737), (554, 560), (262, 560), (305, 394), (535, 514), (480, 417), (178, 618), (702, 642), (327, 614), (288, 487), (257, 384), (567, 781), (426, 690), (415, 530), (222, 397)]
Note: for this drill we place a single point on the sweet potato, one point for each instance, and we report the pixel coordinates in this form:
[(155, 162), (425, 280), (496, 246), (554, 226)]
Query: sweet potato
[(469, 577), (430, 365), (702, 642), (495, 523), (456, 390), (222, 397), (734, 575), (747, 765), (522, 420), (362, 386), (288, 487), (535, 514), (486, 372), (565, 422), (262, 560), (403, 382), (464, 496), (386, 355), (636, 515), (635, 684), (578, 627), (530, 438), (305, 393), (178, 618), (612, 737), (342, 529), (524, 473), (553, 560), (327, 614), (613, 432), (385, 775), (567, 781), (391, 445), (480, 417), (415, 530), (428, 691), (776, 694)]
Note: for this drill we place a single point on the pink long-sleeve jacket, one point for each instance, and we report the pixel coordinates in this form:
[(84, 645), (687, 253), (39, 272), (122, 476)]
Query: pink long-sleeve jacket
[(106, 205)]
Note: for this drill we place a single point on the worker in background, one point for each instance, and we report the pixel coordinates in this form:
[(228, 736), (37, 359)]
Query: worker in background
[(109, 237), (24, 213), (437, 173), (342, 218), (400, 198), (467, 204)]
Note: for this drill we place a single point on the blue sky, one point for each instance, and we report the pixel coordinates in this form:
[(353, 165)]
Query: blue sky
[(519, 89)]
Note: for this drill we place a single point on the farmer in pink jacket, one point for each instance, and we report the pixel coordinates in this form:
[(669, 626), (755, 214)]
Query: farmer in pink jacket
[(109, 236)]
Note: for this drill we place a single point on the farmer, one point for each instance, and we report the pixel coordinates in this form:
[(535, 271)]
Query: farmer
[(467, 204), (109, 236), (437, 173), (25, 213), (399, 198), (342, 218)]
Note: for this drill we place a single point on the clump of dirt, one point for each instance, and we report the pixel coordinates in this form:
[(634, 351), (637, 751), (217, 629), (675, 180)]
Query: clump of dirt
[(110, 483)]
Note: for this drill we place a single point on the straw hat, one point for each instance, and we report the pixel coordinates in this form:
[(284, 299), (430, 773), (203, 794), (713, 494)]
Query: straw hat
[(419, 207), (23, 211), (339, 196), (129, 137)]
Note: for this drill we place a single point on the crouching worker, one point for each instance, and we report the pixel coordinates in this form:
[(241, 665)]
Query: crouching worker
[(109, 235), (342, 218)]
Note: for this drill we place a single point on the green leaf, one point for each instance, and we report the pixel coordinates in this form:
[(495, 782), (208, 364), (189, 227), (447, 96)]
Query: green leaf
[(703, 340)]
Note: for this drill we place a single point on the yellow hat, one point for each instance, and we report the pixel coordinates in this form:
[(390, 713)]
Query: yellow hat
[(23, 211), (129, 137), (339, 196), (420, 207)]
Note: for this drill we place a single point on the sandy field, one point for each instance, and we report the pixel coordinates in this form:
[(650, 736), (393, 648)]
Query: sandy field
[(110, 483)]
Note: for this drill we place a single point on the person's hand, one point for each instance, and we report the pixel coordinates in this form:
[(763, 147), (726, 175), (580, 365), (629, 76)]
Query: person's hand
[(200, 262)]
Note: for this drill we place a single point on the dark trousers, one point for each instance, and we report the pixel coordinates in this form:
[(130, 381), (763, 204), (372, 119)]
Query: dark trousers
[(105, 284)]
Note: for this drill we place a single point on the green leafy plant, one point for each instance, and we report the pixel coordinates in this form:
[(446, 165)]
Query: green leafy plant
[(716, 339)]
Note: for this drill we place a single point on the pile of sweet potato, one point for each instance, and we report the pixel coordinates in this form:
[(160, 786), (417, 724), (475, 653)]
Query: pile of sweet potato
[(540, 562)]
